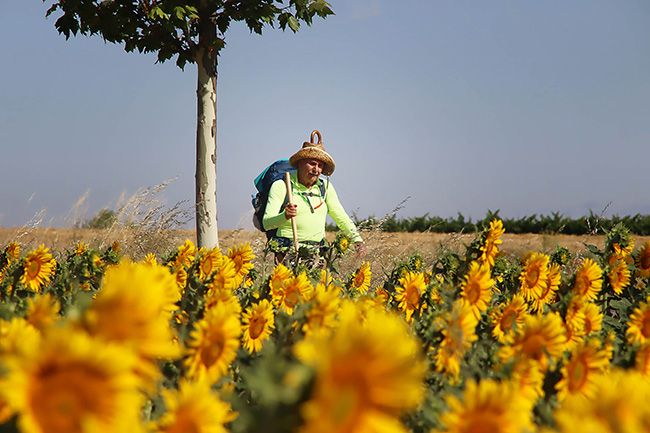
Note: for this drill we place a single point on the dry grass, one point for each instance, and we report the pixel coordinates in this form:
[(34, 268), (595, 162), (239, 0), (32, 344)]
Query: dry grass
[(383, 249)]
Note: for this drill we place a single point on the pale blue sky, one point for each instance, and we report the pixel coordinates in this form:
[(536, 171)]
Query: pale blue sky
[(524, 106)]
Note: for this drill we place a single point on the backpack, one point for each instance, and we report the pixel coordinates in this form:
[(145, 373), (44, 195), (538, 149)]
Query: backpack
[(263, 184)]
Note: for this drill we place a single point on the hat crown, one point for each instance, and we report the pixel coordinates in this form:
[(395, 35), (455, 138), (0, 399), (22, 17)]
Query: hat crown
[(309, 145), (314, 149)]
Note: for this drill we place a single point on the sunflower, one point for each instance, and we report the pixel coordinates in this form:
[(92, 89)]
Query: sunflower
[(322, 314), (242, 256), (209, 262), (368, 302), (80, 248), (548, 295), (588, 280), (620, 405), (541, 339), (529, 379), (193, 408), (593, 321), (534, 277), (619, 274), (587, 361), (42, 311), (490, 248), (133, 307), (506, 318), (342, 244), (476, 290), (97, 261), (296, 289), (574, 322), (643, 260), (487, 406), (459, 334), (623, 253), (225, 278), (638, 327), (38, 268), (150, 259), (361, 279), (73, 383), (367, 374), (180, 276), (17, 338), (258, 323), (279, 278), (381, 295), (223, 297), (213, 344), (185, 255), (409, 293), (642, 360), (12, 252)]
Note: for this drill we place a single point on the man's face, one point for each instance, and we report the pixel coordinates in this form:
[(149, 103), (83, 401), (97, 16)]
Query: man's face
[(309, 170)]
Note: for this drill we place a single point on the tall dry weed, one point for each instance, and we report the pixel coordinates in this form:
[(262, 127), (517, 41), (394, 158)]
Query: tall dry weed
[(144, 223)]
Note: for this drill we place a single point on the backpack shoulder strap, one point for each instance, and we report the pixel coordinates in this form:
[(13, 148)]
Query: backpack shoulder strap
[(323, 187)]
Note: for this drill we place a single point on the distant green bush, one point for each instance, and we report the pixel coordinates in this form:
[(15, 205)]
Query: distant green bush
[(104, 219), (555, 223)]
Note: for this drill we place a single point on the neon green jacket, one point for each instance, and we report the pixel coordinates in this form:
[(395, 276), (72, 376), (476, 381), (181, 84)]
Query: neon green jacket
[(311, 225)]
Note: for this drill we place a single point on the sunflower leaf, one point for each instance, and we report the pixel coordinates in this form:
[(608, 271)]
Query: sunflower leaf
[(621, 304)]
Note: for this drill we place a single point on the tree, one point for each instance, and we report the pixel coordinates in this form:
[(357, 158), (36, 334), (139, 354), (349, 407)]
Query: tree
[(193, 31)]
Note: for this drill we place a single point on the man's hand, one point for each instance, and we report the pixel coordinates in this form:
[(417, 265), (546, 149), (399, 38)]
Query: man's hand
[(290, 211), (360, 249)]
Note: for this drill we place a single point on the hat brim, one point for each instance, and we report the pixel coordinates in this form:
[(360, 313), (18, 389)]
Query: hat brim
[(314, 153)]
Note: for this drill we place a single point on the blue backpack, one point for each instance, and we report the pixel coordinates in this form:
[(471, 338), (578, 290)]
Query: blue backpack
[(263, 184)]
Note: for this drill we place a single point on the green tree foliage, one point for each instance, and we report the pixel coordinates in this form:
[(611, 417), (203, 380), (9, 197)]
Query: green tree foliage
[(179, 27)]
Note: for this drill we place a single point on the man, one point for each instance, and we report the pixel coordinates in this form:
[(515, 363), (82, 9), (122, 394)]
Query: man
[(310, 207)]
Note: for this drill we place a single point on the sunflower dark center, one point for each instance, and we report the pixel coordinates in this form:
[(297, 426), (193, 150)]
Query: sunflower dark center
[(473, 292), (212, 351), (412, 297), (532, 277), (33, 268), (508, 319), (256, 326), (577, 374), (645, 261)]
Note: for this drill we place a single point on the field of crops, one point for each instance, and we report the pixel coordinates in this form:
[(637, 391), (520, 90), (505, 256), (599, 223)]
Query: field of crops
[(462, 333)]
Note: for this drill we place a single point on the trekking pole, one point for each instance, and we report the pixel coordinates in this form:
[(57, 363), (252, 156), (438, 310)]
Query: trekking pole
[(287, 182)]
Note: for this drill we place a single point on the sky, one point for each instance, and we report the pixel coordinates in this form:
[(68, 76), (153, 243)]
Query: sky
[(521, 106)]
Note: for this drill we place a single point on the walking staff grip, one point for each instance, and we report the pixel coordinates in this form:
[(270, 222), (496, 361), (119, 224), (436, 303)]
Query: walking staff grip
[(287, 182)]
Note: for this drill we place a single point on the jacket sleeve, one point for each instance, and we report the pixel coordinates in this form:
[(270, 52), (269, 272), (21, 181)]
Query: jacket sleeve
[(273, 216), (340, 217)]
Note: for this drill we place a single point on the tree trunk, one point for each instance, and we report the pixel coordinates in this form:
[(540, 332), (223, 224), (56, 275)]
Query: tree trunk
[(206, 149)]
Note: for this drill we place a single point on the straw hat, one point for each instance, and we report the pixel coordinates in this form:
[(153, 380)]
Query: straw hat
[(312, 150)]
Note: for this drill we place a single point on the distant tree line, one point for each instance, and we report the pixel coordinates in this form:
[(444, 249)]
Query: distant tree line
[(555, 223)]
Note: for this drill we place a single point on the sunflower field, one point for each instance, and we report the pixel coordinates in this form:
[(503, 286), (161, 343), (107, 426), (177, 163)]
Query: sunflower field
[(207, 341)]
